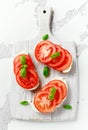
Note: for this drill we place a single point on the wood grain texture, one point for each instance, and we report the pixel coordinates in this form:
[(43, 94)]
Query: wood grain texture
[(18, 94)]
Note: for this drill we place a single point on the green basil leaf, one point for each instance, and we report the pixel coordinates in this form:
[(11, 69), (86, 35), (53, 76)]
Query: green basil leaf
[(53, 90), (55, 55), (22, 60), (67, 106), (45, 37), (24, 103), (46, 71), (23, 72), (25, 66), (51, 97), (52, 93)]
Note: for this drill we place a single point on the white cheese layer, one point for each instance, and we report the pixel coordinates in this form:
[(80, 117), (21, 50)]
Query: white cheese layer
[(68, 69), (34, 87)]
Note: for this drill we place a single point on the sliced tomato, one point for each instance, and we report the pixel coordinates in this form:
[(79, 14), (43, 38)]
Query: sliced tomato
[(58, 94), (28, 60), (67, 62), (60, 84), (59, 60), (43, 51), (28, 82), (18, 65), (43, 104)]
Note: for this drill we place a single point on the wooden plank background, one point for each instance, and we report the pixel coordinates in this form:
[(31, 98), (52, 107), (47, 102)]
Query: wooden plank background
[(18, 94)]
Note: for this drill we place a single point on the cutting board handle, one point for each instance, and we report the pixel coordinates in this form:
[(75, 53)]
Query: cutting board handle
[(44, 16)]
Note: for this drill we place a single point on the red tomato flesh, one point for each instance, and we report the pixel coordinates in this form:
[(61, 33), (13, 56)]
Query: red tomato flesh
[(59, 60), (67, 62), (17, 62), (42, 103), (58, 94), (43, 51), (28, 82), (61, 85)]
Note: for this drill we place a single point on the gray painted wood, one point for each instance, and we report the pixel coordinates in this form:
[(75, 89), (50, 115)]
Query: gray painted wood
[(18, 94)]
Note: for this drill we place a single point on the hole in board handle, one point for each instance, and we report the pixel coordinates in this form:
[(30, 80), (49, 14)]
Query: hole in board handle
[(44, 11)]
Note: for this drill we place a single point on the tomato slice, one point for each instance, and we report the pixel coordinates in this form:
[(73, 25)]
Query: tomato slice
[(42, 103), (67, 62), (43, 51), (58, 94), (60, 84), (28, 60), (28, 82), (18, 65), (59, 60)]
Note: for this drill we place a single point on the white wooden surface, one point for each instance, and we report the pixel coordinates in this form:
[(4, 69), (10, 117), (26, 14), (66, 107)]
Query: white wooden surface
[(18, 94)]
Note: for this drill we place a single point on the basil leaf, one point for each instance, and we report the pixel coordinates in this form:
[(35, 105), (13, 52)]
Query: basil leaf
[(25, 66), (55, 55), (51, 97), (52, 93), (45, 37), (67, 106), (23, 72), (22, 60), (46, 71), (53, 90), (24, 103)]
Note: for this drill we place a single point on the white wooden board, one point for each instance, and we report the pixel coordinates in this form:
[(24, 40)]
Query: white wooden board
[(18, 94)]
